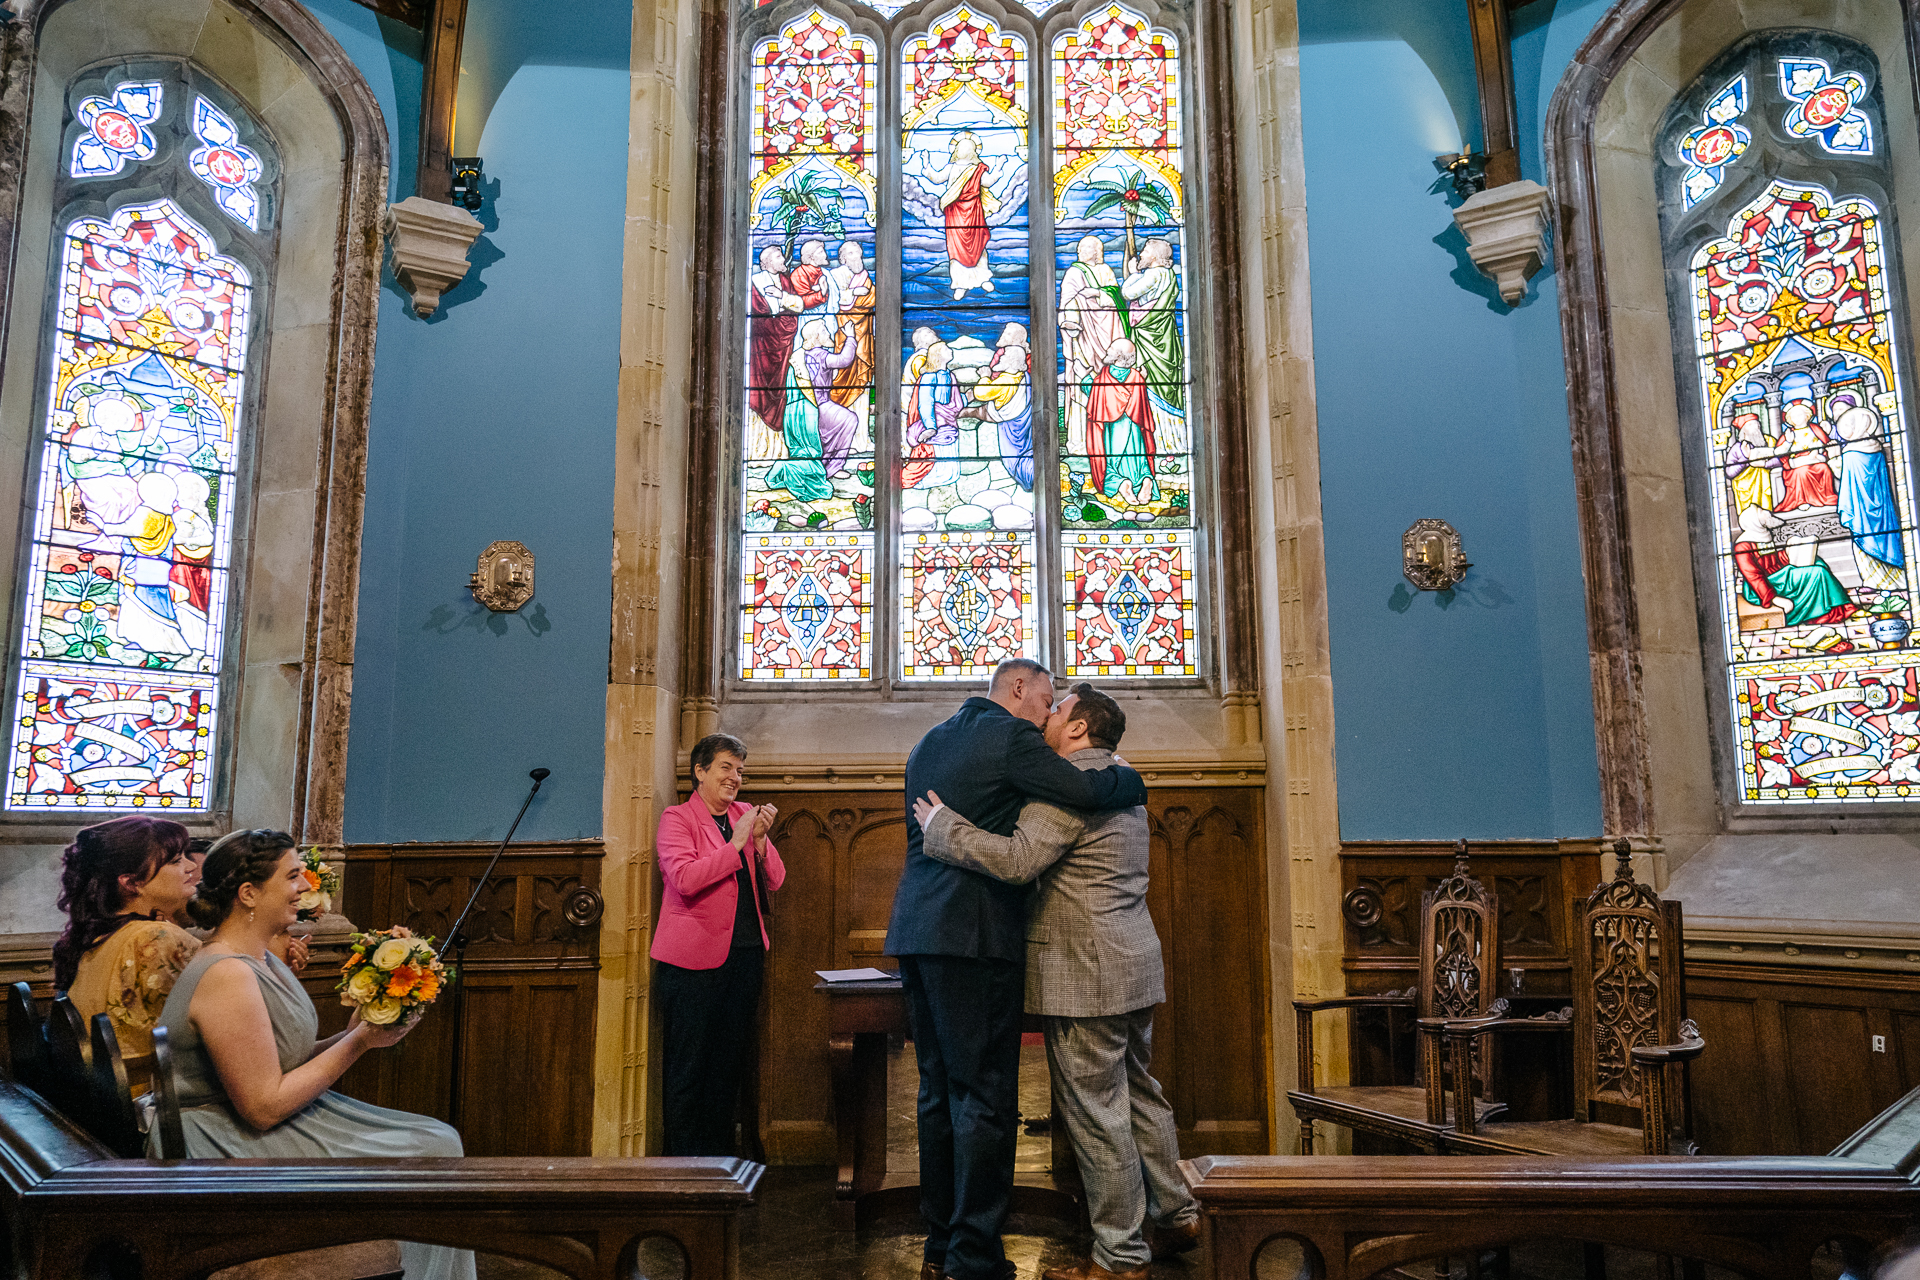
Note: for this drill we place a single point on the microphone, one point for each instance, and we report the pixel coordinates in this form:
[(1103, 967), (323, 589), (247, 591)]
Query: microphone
[(456, 940)]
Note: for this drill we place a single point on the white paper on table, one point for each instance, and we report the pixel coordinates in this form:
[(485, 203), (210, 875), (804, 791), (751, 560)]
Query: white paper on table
[(855, 975)]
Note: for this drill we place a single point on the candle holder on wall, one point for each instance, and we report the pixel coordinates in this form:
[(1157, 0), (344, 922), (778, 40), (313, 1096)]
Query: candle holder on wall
[(1431, 557)]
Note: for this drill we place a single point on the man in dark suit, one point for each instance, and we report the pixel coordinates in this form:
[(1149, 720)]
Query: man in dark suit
[(960, 938)]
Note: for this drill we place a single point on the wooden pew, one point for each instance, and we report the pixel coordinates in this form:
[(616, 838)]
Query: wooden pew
[(68, 1207), (1762, 1216)]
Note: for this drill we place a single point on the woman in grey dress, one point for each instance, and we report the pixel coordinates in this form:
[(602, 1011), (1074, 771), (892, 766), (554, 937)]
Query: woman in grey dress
[(251, 1078)]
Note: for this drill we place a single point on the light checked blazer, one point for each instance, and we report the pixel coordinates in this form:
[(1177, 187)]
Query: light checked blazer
[(1091, 948)]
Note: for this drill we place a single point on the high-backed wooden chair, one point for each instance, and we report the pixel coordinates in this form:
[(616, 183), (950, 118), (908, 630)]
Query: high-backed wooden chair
[(1631, 1035), (1459, 964)]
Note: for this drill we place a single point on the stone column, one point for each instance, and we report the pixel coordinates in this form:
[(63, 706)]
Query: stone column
[(643, 695), (1295, 654)]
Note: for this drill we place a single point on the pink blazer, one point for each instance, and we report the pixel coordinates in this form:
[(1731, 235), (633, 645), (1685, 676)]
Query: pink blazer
[(696, 913)]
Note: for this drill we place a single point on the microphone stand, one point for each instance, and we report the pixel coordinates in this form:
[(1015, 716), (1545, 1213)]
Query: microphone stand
[(457, 942)]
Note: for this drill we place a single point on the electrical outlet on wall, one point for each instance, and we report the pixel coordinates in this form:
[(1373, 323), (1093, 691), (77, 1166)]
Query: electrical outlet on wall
[(1879, 1044)]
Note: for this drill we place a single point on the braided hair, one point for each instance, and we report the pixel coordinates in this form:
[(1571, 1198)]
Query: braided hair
[(90, 890), (240, 857)]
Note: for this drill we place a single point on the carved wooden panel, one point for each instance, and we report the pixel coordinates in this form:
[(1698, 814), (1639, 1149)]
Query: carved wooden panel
[(844, 852), (531, 980), (1536, 882)]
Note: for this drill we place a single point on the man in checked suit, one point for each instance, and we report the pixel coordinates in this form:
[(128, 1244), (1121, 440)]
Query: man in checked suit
[(1094, 972), (960, 937)]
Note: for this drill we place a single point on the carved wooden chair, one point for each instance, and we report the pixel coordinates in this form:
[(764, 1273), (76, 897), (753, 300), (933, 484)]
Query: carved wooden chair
[(1459, 964), (1631, 1038)]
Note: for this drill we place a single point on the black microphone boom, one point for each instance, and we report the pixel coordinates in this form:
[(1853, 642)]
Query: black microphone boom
[(454, 940)]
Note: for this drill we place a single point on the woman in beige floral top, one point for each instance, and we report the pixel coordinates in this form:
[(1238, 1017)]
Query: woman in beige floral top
[(121, 885)]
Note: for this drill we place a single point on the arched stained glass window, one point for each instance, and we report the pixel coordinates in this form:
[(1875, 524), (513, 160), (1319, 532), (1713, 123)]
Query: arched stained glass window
[(128, 591), (1049, 517), (1784, 277)]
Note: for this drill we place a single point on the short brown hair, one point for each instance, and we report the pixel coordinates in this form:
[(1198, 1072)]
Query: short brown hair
[(711, 747), (1106, 722)]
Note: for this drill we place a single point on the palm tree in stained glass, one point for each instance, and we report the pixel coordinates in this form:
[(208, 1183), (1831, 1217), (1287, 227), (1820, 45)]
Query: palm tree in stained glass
[(1135, 195), (811, 203)]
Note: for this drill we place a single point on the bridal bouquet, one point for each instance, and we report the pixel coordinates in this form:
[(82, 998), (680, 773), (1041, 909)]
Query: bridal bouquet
[(322, 882), (390, 975)]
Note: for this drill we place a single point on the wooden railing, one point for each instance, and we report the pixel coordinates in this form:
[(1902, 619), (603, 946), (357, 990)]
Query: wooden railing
[(1764, 1216), (70, 1210)]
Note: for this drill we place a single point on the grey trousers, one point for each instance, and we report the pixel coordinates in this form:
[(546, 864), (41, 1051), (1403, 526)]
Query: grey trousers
[(1122, 1130)]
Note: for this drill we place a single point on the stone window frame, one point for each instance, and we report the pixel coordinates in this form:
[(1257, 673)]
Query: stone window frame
[(1654, 729), (1225, 613), (297, 559)]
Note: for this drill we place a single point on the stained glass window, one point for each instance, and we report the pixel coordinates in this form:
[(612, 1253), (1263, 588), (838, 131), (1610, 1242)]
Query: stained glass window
[(228, 168), (125, 605), (807, 591), (967, 515), (127, 586), (1051, 519), (116, 129), (1808, 476), (1126, 467)]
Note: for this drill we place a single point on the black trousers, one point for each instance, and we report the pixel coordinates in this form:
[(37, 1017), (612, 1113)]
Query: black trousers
[(707, 1016), (965, 1015)]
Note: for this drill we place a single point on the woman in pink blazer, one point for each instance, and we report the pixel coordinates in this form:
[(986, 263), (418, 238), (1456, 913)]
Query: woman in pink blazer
[(710, 947)]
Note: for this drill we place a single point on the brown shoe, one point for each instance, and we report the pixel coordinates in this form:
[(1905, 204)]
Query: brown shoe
[(1088, 1269), (1166, 1242)]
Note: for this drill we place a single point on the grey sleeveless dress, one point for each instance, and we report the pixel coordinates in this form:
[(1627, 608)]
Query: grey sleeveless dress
[(331, 1126)]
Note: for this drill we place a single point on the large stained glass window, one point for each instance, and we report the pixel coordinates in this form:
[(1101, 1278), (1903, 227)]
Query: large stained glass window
[(808, 457), (967, 573), (1048, 517), (117, 692), (1790, 290)]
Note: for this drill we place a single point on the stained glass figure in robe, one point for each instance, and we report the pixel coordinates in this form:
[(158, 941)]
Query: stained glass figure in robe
[(1812, 498), (1123, 369), (131, 543), (808, 450), (967, 515)]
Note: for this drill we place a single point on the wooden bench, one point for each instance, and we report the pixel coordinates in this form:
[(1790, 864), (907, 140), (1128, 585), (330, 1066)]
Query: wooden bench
[(71, 1207), (1762, 1216)]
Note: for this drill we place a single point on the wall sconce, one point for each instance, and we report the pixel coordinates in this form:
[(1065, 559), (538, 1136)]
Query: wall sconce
[(467, 178), (1431, 557), (503, 580)]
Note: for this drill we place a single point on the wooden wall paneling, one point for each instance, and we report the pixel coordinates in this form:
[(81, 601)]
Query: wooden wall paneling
[(531, 982), (1211, 1037), (1727, 1085), (844, 851), (1798, 1073), (795, 1077)]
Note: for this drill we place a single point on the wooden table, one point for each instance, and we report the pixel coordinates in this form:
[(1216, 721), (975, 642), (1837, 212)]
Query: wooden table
[(860, 1017)]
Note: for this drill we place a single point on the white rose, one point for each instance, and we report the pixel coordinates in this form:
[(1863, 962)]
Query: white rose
[(392, 953), (382, 1011), (316, 901), (364, 986)]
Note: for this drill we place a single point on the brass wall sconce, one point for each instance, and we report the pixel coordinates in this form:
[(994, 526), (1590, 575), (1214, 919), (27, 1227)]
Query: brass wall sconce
[(1431, 556), (503, 580)]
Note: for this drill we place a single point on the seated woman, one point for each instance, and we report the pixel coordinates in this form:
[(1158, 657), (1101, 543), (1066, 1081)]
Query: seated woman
[(252, 1080), (120, 885)]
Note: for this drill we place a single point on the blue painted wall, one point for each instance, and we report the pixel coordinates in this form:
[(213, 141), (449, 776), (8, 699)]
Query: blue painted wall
[(1470, 713), (493, 420)]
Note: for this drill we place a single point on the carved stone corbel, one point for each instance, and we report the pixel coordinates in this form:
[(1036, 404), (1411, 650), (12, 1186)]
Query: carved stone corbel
[(429, 242), (1506, 231)]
